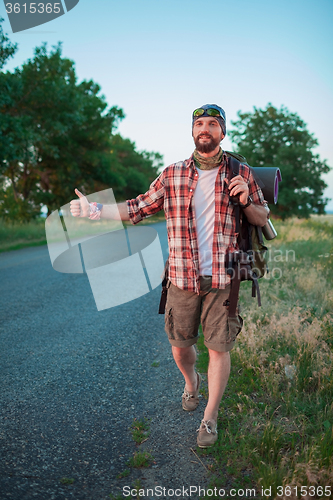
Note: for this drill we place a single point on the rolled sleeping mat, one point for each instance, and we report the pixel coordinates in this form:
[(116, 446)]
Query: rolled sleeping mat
[(268, 179)]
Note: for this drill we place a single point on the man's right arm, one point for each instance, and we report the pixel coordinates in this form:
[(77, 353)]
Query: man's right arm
[(81, 208), (134, 210), (118, 211)]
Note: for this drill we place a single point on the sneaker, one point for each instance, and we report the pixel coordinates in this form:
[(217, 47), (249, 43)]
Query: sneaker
[(190, 401), (207, 433)]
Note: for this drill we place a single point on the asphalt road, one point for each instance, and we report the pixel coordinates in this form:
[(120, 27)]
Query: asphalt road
[(73, 380)]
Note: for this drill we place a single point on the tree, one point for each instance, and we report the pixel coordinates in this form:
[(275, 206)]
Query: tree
[(278, 138), (57, 134), (65, 140), (137, 170), (14, 131), (7, 49)]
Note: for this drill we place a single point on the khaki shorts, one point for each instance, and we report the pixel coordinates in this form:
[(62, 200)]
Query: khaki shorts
[(185, 311)]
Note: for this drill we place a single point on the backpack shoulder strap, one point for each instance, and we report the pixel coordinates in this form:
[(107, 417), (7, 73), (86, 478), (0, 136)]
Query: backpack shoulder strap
[(164, 293), (237, 156), (234, 200), (234, 167)]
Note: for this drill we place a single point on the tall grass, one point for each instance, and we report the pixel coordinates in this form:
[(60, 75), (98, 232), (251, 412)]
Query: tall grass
[(18, 235), (276, 417)]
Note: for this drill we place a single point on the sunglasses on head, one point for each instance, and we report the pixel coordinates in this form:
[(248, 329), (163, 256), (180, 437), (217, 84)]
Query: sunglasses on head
[(209, 111)]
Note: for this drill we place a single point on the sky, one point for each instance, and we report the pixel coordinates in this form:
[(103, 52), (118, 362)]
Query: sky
[(158, 60)]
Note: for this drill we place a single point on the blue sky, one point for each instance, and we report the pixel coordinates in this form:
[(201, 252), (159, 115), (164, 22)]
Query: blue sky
[(160, 59)]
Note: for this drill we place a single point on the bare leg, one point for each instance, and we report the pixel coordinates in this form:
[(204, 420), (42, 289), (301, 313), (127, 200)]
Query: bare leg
[(185, 358), (218, 375)]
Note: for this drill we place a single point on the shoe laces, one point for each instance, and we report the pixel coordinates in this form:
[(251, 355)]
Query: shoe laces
[(207, 428), (187, 396)]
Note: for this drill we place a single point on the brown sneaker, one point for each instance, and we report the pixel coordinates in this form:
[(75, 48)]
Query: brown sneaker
[(207, 433), (190, 401)]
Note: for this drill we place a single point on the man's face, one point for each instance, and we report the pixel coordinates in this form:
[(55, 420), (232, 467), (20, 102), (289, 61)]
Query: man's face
[(207, 134)]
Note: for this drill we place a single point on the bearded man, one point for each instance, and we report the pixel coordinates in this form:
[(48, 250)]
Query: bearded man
[(201, 227)]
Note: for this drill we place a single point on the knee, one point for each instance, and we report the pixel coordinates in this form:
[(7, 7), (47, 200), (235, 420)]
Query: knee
[(183, 353), (218, 354)]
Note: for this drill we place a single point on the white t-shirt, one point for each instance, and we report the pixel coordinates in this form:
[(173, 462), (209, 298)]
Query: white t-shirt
[(204, 205)]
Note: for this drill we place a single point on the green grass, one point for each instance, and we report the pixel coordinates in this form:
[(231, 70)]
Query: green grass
[(276, 418), (15, 236), (67, 480), (141, 459), (140, 430), (125, 473)]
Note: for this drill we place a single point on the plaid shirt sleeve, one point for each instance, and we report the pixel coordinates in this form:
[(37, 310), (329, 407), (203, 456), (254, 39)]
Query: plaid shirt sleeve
[(149, 203)]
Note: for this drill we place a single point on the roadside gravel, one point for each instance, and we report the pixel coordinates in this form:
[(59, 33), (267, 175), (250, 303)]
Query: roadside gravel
[(74, 379)]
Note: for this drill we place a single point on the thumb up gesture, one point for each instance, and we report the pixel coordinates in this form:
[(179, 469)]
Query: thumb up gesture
[(80, 207)]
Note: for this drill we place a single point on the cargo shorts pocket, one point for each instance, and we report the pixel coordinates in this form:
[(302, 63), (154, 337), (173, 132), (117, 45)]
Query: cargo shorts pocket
[(234, 327), (169, 323)]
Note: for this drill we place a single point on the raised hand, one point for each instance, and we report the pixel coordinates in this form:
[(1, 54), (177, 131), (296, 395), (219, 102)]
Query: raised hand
[(80, 207)]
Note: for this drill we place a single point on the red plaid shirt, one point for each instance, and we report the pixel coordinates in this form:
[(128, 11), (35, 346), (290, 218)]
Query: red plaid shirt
[(173, 191)]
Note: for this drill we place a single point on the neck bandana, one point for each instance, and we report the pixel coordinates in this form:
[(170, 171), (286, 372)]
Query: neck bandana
[(207, 163)]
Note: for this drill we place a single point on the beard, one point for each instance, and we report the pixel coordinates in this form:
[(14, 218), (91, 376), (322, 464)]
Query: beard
[(206, 147)]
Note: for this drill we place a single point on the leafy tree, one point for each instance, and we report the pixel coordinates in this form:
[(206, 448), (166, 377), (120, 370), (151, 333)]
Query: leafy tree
[(14, 131), (7, 49), (67, 130), (137, 170), (278, 138), (56, 134)]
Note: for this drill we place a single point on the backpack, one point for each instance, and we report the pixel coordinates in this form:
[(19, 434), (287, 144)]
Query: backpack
[(249, 263)]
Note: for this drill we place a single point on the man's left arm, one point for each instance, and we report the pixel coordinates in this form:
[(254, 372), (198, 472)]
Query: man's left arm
[(256, 212)]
